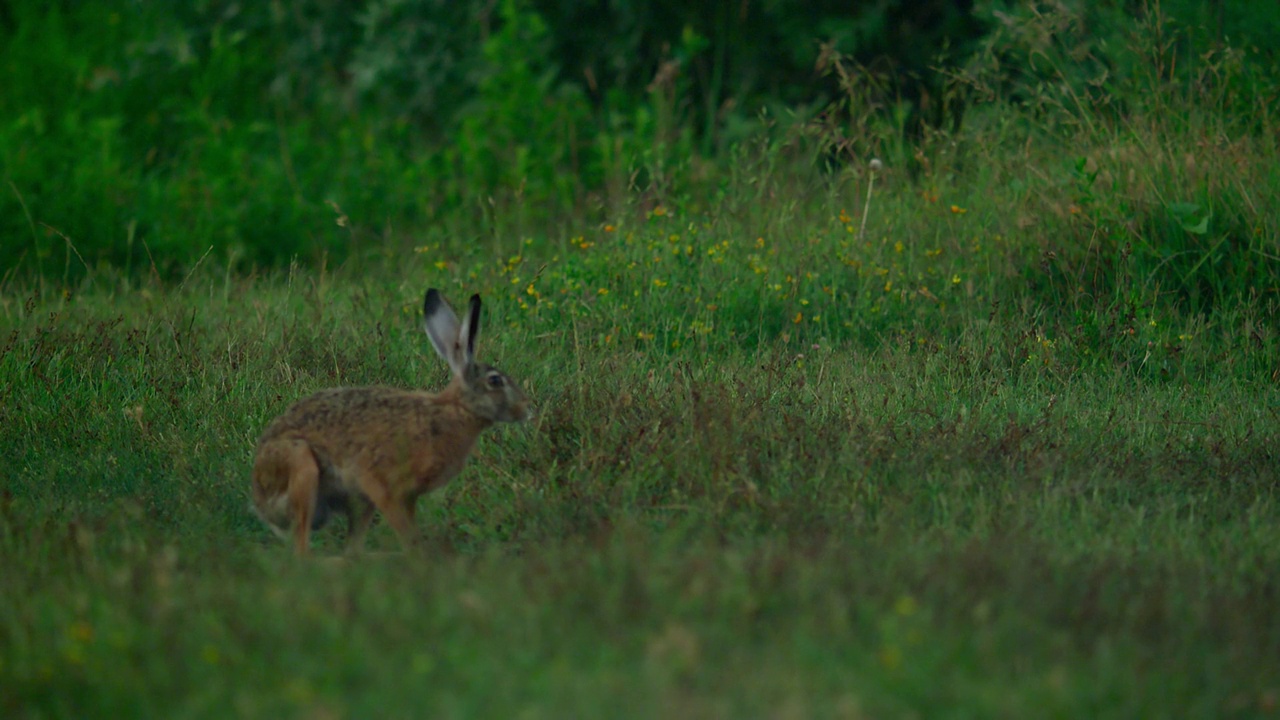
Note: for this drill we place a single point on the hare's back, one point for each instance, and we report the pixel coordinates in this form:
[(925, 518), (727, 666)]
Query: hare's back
[(351, 410)]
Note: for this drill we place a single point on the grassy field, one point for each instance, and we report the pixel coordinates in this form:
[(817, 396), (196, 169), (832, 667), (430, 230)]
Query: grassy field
[(781, 467), (990, 431)]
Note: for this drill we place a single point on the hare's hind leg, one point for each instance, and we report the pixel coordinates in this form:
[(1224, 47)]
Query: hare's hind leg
[(288, 465)]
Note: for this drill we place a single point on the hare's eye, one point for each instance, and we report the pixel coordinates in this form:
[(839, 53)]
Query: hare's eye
[(495, 380)]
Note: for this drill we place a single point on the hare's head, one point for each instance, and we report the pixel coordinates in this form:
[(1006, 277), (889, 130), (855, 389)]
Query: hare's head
[(486, 390)]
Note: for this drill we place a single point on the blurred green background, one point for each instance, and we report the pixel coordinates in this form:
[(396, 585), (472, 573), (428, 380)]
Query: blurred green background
[(146, 135)]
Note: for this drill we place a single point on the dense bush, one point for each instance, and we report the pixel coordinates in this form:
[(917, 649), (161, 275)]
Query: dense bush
[(148, 135)]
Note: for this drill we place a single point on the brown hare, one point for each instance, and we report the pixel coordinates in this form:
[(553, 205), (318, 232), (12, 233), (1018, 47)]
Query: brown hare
[(357, 449)]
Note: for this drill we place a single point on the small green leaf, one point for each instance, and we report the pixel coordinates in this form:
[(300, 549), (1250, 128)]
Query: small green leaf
[(1200, 228), (1190, 217)]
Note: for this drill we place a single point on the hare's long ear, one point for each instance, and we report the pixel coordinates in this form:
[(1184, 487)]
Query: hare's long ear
[(441, 324), (470, 330)]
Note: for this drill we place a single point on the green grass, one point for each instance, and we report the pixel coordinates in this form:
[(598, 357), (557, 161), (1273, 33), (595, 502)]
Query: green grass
[(778, 470), (991, 433)]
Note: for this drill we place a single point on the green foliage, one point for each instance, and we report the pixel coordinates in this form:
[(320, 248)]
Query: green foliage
[(149, 137), (523, 132), (736, 59), (1254, 27)]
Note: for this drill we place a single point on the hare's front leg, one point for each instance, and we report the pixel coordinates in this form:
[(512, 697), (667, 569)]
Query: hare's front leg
[(400, 514), (398, 509), (359, 516)]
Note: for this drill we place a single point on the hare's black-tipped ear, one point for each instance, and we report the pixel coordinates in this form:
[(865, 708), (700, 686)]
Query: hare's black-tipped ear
[(470, 330), (432, 301), (441, 324)]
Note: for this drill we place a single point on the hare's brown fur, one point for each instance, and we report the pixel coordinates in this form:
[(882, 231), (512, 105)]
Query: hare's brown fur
[(356, 449)]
